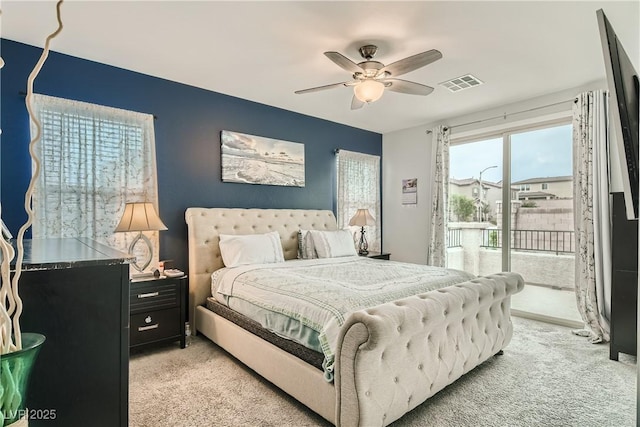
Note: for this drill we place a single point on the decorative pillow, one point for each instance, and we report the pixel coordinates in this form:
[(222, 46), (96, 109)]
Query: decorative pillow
[(306, 250), (332, 244), (238, 249)]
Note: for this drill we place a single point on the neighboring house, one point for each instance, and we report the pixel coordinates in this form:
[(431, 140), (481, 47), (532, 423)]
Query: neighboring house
[(470, 188), (551, 187), (545, 188)]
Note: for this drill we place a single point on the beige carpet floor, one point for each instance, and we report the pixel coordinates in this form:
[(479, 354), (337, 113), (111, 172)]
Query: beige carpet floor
[(546, 377)]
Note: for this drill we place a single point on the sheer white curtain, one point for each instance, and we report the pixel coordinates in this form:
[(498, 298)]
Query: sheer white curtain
[(94, 159), (437, 255), (359, 188), (592, 216)]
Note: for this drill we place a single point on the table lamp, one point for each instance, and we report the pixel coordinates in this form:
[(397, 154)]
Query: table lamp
[(140, 216), (362, 218)]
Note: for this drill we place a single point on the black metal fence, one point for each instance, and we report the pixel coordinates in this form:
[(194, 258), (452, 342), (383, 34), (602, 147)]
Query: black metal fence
[(454, 238), (532, 240)]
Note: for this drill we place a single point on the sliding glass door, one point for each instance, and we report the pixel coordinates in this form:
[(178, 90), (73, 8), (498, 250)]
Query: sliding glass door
[(475, 206), (541, 226), (525, 226)]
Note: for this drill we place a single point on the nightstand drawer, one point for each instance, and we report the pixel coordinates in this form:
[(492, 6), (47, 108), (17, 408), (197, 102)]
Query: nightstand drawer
[(154, 296), (154, 326)]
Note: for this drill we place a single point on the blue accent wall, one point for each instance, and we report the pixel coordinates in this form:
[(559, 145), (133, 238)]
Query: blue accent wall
[(187, 128)]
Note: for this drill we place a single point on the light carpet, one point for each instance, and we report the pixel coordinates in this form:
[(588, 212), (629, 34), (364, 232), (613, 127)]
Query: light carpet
[(546, 377)]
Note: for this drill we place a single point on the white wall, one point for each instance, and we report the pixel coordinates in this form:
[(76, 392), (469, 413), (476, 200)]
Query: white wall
[(407, 154)]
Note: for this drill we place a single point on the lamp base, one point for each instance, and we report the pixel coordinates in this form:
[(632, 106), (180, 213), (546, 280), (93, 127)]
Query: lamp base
[(147, 260), (363, 246)]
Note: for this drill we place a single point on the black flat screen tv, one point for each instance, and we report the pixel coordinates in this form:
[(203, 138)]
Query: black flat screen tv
[(622, 80)]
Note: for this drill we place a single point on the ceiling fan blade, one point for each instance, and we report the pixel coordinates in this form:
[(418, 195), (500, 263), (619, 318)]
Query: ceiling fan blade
[(411, 63), (356, 103), (319, 88), (404, 86), (344, 62)]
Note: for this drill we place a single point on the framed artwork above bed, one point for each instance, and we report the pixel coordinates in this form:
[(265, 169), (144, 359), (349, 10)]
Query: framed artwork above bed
[(251, 159)]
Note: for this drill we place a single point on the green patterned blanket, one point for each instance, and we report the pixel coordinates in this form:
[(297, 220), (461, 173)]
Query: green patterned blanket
[(321, 293)]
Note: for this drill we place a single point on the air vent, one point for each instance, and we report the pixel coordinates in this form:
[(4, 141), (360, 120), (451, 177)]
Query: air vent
[(461, 83)]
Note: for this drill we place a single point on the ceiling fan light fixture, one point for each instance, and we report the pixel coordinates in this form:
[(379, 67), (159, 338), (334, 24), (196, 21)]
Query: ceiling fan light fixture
[(371, 78), (368, 90)]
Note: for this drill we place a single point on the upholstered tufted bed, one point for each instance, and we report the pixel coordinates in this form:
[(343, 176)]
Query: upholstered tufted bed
[(388, 359)]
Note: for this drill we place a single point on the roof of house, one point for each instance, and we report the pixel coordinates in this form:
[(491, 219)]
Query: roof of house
[(465, 181), (544, 179), (471, 181), (535, 195)]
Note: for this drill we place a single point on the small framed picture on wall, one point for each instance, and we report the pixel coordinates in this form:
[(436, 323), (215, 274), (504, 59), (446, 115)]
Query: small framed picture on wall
[(410, 191)]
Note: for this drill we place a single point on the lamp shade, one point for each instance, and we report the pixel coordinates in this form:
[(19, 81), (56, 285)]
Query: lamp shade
[(362, 218), (140, 216), (368, 90)]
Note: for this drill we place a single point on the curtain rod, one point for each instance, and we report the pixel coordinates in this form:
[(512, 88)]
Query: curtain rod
[(505, 115), (23, 93)]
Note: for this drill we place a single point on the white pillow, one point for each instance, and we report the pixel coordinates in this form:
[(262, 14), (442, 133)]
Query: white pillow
[(306, 250), (237, 249), (331, 244)]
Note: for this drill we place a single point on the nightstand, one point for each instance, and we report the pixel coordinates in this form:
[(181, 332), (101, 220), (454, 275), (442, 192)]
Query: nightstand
[(378, 255), (158, 309)]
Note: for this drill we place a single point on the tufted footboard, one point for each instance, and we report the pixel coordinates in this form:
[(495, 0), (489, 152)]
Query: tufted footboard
[(395, 356)]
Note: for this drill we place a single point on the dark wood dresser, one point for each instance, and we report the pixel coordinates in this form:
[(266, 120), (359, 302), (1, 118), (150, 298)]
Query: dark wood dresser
[(624, 281), (379, 255), (76, 293)]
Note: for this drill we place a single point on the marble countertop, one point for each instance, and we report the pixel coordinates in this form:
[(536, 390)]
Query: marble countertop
[(48, 254)]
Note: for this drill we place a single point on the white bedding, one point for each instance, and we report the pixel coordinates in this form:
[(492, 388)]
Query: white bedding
[(319, 294)]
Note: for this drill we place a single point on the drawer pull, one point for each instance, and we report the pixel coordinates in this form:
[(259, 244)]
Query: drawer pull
[(148, 295), (147, 328)]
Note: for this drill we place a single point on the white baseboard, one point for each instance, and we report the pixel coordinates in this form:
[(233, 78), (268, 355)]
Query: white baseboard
[(548, 319)]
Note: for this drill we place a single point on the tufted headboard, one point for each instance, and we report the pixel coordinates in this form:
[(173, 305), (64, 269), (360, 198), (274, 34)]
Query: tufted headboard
[(206, 224)]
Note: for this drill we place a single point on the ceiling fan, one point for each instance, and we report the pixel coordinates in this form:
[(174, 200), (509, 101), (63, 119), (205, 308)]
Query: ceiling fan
[(371, 78)]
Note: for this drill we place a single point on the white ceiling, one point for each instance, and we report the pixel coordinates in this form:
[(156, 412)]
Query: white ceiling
[(264, 51)]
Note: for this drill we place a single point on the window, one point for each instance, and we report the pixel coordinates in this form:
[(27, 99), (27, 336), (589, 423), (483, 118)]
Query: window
[(525, 187), (94, 159), (475, 191), (359, 188), (545, 186)]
